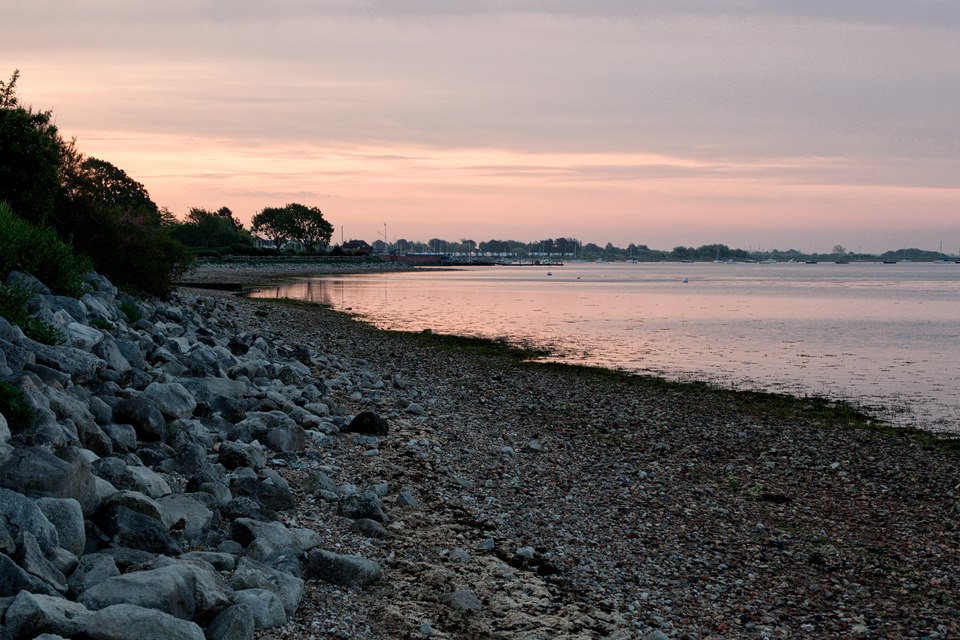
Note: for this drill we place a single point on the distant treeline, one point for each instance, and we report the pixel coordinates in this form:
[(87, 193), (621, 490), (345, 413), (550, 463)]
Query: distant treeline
[(571, 248)]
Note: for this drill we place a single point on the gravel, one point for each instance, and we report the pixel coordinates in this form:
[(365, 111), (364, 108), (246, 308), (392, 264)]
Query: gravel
[(588, 508)]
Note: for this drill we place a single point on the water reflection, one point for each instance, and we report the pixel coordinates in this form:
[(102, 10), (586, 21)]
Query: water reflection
[(875, 334)]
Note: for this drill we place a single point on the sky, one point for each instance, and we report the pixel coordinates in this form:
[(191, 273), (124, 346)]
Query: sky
[(757, 124)]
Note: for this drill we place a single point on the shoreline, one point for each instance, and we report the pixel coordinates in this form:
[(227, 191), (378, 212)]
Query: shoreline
[(579, 505), (244, 279)]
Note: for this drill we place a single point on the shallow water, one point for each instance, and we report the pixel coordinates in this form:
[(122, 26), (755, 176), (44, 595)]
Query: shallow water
[(878, 335)]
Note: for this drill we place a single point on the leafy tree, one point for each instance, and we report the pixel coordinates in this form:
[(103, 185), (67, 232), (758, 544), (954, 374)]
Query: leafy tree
[(31, 150), (226, 214), (109, 187), (204, 229), (309, 227), (275, 224)]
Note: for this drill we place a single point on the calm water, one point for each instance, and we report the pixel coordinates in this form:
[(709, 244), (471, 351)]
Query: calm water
[(878, 335)]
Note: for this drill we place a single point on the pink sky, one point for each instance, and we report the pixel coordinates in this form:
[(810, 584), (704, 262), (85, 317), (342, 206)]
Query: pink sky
[(751, 124)]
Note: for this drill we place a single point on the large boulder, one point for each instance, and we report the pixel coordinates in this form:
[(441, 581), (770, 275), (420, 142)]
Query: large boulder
[(264, 539), (172, 398), (168, 589), (343, 570), (36, 471), (129, 528), (13, 580), (31, 614), (91, 570), (144, 415), (123, 621), (21, 514), (235, 623), (66, 516), (368, 423), (251, 574), (264, 605)]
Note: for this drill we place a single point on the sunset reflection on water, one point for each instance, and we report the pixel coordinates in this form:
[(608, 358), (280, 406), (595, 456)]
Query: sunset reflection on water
[(879, 335)]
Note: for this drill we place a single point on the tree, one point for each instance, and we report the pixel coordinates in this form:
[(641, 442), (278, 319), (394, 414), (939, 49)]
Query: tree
[(31, 150), (227, 214), (109, 187), (204, 229), (274, 224), (309, 227), (294, 221)]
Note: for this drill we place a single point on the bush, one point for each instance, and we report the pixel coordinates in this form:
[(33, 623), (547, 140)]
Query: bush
[(14, 408), (39, 251), (13, 307), (130, 311), (132, 248)]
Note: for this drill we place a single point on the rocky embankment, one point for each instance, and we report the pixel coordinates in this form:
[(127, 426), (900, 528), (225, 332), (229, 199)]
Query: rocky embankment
[(139, 484), (229, 468)]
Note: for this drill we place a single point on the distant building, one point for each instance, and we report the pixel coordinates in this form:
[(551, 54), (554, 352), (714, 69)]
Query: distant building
[(357, 246)]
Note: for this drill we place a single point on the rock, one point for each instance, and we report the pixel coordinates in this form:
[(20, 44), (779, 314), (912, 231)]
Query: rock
[(463, 600), (210, 592), (316, 482), (81, 366), (235, 623), (362, 505), (144, 415), (133, 500), (31, 614), (368, 423), (21, 514), (264, 606), (129, 528), (35, 471), (186, 516), (405, 498), (13, 580), (238, 454), (369, 528), (123, 621), (172, 398), (123, 437), (343, 570), (286, 438), (92, 569), (66, 516), (168, 589), (270, 494), (251, 574), (147, 481), (219, 561), (5, 434), (32, 560), (263, 539)]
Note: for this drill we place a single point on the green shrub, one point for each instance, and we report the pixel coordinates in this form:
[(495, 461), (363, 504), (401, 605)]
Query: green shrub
[(130, 311), (13, 307), (132, 248), (39, 251), (14, 408)]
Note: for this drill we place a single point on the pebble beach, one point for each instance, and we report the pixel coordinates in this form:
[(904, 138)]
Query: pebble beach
[(217, 467), (525, 501)]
